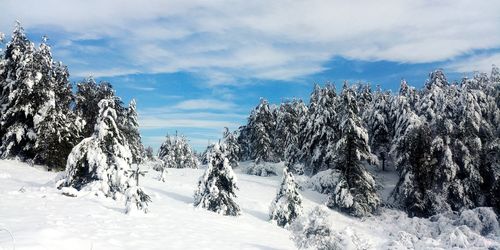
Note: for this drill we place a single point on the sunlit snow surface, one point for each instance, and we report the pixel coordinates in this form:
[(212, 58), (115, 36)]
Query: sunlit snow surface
[(39, 217)]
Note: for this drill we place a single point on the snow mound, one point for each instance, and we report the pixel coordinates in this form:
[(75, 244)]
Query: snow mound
[(4, 175), (315, 231), (265, 169), (471, 229), (324, 181)]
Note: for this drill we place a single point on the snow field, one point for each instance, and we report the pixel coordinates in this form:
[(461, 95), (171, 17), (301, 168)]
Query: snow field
[(40, 217)]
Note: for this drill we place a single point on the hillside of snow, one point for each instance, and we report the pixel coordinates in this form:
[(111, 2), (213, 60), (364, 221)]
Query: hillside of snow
[(35, 215)]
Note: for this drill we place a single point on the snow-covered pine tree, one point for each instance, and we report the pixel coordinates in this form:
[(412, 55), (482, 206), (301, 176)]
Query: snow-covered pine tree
[(355, 192), (87, 97), (175, 152), (378, 120), (101, 163), (217, 186), (293, 154), (319, 130), (57, 128), (364, 96), (288, 120), (261, 128), (413, 161), (287, 205), (244, 143), (465, 190), (206, 153), (18, 106), (35, 92), (232, 147), (130, 130)]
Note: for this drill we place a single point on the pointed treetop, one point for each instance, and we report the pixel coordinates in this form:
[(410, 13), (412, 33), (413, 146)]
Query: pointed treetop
[(132, 103), (45, 38), (18, 27), (345, 86), (18, 35)]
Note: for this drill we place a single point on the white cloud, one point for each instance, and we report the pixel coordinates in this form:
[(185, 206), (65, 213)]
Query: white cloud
[(158, 122), (480, 63), (204, 104), (283, 40)]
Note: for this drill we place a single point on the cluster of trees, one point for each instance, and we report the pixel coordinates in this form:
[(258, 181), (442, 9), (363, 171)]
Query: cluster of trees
[(175, 152), (443, 140), (217, 187), (41, 118), (89, 133)]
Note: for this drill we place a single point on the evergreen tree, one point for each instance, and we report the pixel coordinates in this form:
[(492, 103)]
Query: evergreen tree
[(244, 141), (287, 205), (355, 193), (88, 95), (57, 128), (19, 102), (217, 186), (102, 162), (378, 119), (232, 148), (319, 131), (206, 153), (261, 125), (364, 96), (288, 121), (103, 158), (36, 121), (130, 130), (411, 191)]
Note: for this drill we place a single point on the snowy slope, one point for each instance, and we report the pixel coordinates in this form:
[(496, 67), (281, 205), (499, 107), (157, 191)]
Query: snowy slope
[(39, 217)]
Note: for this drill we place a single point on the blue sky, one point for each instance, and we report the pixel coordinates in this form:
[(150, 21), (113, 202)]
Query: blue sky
[(197, 66)]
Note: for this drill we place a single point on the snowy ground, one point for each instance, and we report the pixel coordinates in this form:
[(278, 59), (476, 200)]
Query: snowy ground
[(39, 217)]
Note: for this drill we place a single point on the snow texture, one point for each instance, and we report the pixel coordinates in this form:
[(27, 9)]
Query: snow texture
[(39, 217)]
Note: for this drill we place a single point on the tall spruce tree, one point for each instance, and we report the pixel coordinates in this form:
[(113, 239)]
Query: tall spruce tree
[(19, 101), (217, 186), (320, 130), (130, 130), (36, 121), (261, 125), (232, 148), (58, 129), (355, 192), (287, 130), (379, 124), (244, 141)]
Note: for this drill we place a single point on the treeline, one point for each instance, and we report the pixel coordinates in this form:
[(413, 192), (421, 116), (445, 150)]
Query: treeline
[(41, 119), (443, 140)]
